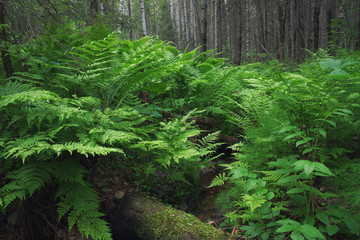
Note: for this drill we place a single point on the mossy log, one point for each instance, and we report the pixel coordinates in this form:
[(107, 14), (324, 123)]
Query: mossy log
[(150, 219)]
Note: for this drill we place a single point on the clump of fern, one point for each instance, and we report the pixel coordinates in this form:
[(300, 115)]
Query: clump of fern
[(44, 137), (310, 113)]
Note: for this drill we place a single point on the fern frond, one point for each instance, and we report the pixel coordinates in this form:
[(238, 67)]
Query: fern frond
[(25, 181), (81, 204), (14, 87), (219, 180), (27, 96), (84, 148)]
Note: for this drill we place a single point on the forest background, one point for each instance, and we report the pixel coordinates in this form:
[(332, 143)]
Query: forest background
[(156, 86)]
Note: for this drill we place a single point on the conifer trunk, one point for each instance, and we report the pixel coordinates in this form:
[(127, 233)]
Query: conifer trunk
[(203, 27), (5, 56), (143, 18)]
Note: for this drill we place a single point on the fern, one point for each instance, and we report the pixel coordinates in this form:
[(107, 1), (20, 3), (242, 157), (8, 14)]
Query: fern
[(25, 181), (81, 204), (219, 180)]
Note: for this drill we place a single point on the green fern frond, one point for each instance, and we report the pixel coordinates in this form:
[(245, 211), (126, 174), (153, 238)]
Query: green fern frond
[(69, 171), (84, 148), (25, 181), (11, 88), (219, 180), (28, 96), (81, 204)]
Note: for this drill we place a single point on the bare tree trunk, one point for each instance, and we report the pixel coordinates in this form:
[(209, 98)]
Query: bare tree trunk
[(281, 32), (218, 24), (237, 33), (184, 22), (5, 56), (143, 18), (172, 18), (192, 25), (323, 33), (292, 30), (247, 8), (121, 7), (177, 22), (260, 28), (130, 14), (94, 9), (357, 46), (203, 26)]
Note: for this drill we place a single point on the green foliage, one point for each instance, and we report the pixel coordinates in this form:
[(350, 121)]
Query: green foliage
[(76, 96), (311, 113)]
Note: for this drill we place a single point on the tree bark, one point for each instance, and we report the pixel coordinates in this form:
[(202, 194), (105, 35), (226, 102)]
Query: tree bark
[(143, 18), (203, 27), (130, 14), (5, 56), (281, 31), (323, 33), (237, 33), (247, 7), (149, 219), (260, 28), (177, 23), (218, 23), (184, 22), (192, 25)]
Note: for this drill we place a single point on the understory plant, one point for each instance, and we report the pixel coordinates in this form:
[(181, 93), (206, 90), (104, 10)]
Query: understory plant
[(307, 121), (78, 96)]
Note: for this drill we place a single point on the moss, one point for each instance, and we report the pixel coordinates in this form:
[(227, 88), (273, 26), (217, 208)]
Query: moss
[(162, 222)]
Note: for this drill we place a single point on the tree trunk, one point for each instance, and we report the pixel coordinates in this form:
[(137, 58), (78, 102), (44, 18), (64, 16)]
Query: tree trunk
[(177, 22), (5, 56), (237, 33), (281, 32), (172, 19), (260, 28), (94, 9), (130, 14), (203, 26), (218, 23), (143, 18), (121, 7), (184, 22), (292, 28), (192, 25), (323, 33), (149, 219), (247, 7)]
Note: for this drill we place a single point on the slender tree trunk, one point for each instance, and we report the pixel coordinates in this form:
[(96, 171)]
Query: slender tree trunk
[(218, 23), (203, 26), (130, 14), (292, 29), (260, 27), (192, 25), (121, 7), (172, 19), (237, 33), (281, 32), (184, 22), (94, 9), (5, 56), (323, 33), (247, 8), (177, 23), (143, 18)]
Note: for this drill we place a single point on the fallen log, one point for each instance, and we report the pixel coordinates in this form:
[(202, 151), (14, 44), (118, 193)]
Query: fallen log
[(150, 219)]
